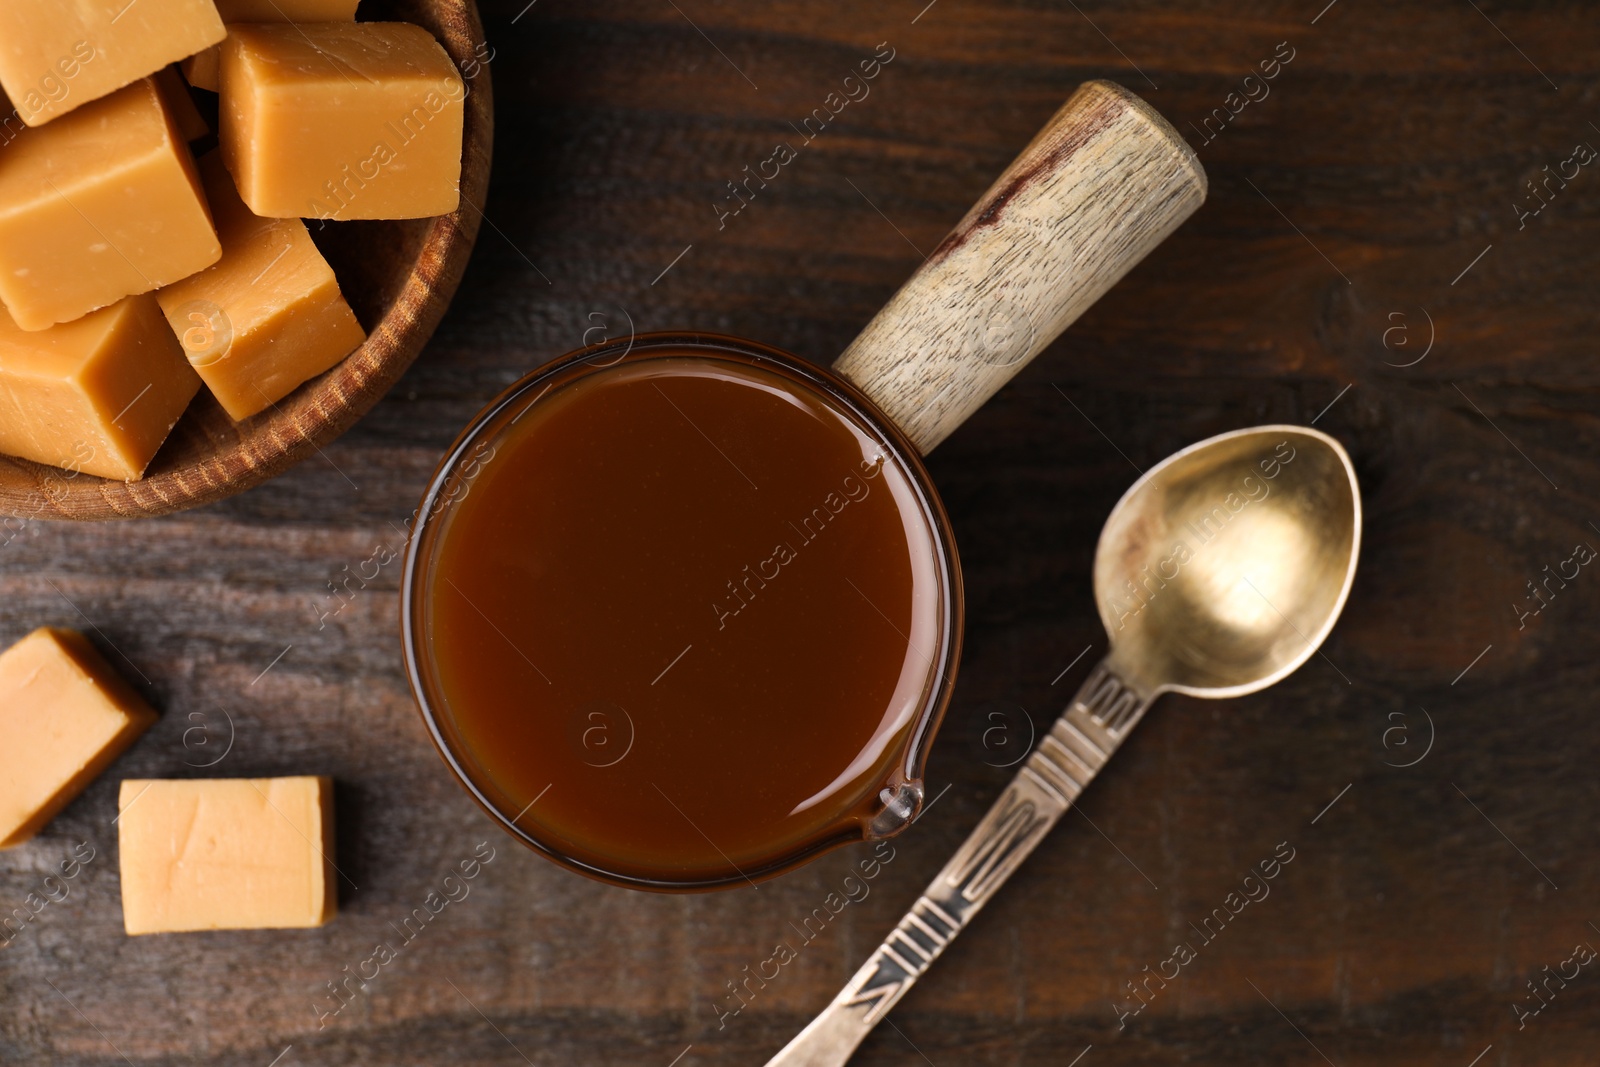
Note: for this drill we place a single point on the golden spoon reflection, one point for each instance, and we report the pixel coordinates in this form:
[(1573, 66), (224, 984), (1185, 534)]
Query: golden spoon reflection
[(1224, 567)]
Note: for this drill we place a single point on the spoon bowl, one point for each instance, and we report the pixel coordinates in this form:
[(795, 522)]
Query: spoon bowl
[(1223, 568)]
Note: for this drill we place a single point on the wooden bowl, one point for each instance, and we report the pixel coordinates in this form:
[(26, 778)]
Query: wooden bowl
[(398, 277)]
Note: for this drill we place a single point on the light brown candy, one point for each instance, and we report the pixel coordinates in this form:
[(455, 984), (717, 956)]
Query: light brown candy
[(65, 715), (202, 68), (226, 854), (56, 56), (94, 396), (266, 316), (98, 205), (180, 105), (341, 120)]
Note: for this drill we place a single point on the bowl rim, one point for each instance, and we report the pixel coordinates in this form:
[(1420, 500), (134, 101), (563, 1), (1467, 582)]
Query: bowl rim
[(907, 777)]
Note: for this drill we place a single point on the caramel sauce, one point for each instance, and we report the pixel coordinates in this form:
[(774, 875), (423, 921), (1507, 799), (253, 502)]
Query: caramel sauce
[(683, 617)]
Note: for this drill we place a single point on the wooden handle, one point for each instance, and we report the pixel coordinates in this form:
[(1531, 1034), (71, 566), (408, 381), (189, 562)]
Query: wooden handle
[(1100, 186)]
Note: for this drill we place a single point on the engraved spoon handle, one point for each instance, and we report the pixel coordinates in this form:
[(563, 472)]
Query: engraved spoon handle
[(1072, 753)]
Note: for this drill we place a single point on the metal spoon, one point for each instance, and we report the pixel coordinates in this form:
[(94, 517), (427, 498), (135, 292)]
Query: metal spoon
[(1218, 573)]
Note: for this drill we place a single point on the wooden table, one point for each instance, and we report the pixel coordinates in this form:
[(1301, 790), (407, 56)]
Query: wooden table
[(1360, 265)]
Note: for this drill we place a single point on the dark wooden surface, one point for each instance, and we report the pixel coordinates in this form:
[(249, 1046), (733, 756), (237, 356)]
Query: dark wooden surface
[(1390, 152)]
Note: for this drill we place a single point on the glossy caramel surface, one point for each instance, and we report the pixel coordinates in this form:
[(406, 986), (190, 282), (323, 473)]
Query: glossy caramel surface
[(682, 612)]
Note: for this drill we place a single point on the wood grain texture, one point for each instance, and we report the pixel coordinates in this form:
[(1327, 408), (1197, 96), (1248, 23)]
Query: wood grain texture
[(398, 277), (1104, 182), (1396, 143)]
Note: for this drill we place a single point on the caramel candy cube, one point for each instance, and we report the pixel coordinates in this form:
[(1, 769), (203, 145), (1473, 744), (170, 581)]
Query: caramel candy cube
[(96, 396), (287, 10), (186, 118), (226, 854), (202, 68), (341, 120), (266, 316), (100, 204), (56, 57), (64, 715)]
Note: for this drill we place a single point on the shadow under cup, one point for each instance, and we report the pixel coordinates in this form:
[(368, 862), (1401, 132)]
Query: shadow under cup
[(682, 612)]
